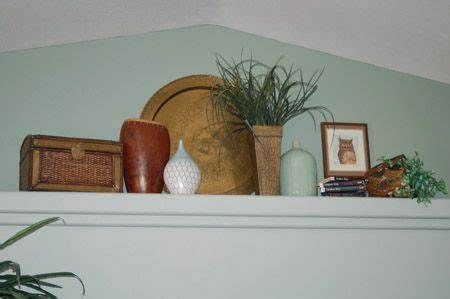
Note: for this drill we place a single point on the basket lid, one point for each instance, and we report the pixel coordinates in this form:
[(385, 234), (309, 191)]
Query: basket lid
[(56, 142)]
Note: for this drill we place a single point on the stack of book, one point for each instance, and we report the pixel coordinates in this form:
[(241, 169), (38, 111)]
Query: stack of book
[(341, 186)]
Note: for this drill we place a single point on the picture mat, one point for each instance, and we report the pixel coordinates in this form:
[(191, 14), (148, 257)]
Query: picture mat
[(357, 135)]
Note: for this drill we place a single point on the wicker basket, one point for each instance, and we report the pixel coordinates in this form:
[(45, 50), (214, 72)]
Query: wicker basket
[(383, 180), (265, 145), (50, 163)]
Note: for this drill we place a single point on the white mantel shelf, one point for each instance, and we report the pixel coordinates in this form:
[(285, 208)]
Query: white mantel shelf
[(221, 247), (220, 211)]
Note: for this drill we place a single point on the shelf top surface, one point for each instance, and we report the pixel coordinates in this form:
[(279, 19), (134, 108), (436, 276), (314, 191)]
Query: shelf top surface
[(114, 203)]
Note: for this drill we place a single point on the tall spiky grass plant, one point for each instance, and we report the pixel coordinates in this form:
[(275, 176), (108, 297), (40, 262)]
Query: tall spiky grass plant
[(259, 94), (18, 286)]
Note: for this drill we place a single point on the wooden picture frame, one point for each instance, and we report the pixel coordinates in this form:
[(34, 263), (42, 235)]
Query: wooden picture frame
[(345, 149)]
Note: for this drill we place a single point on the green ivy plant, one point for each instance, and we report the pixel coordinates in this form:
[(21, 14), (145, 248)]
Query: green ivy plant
[(417, 183), (18, 286)]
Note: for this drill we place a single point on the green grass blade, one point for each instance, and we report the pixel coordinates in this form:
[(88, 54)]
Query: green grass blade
[(60, 275), (10, 265), (14, 294), (259, 94), (41, 290), (27, 231)]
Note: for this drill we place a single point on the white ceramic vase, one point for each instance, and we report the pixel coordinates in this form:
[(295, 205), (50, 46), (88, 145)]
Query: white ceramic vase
[(181, 174)]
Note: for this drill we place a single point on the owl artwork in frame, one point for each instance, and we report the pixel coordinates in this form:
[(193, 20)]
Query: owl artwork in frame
[(345, 148)]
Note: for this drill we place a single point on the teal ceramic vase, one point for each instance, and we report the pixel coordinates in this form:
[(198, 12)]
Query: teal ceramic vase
[(298, 172)]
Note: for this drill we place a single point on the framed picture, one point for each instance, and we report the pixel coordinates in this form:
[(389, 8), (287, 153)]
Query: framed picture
[(345, 148)]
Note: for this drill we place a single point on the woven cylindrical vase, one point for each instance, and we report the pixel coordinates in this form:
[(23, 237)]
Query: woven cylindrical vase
[(265, 145), (146, 151)]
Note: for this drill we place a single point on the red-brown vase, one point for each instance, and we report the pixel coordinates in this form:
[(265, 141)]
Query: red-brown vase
[(146, 151)]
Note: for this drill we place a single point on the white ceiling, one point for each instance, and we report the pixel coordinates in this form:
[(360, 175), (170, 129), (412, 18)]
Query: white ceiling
[(411, 36)]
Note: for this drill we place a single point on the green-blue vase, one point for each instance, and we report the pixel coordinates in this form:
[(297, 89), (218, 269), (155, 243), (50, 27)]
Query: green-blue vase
[(298, 172)]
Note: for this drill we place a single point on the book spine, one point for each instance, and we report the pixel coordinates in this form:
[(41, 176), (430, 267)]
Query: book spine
[(342, 188), (333, 179), (339, 179), (345, 183), (361, 193)]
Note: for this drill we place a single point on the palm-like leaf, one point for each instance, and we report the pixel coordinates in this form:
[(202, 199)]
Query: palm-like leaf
[(27, 231), (11, 285), (9, 266)]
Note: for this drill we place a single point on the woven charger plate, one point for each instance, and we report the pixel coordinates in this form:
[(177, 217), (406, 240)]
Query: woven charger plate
[(184, 107)]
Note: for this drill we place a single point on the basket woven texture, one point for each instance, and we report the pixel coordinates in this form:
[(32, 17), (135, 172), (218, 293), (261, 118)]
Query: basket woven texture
[(59, 167), (383, 180), (266, 158)]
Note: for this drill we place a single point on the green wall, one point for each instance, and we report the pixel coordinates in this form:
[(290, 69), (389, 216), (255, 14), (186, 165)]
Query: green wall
[(87, 89)]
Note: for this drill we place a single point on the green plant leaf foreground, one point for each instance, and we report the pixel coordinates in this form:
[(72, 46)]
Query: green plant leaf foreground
[(28, 230), (36, 282), (29, 286), (9, 265)]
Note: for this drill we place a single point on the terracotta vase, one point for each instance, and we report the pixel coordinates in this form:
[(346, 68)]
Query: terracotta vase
[(265, 145), (146, 151)]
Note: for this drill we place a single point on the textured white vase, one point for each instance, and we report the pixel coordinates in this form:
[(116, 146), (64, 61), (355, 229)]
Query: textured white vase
[(181, 174)]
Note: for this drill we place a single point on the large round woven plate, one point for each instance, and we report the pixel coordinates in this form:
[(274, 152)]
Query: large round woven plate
[(184, 106)]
